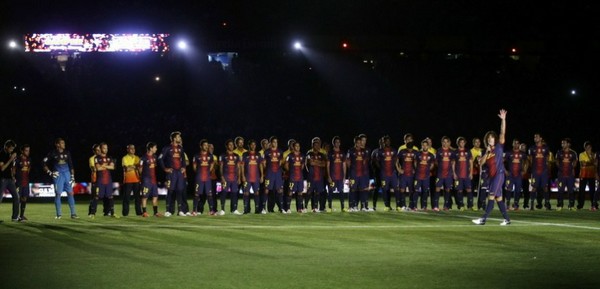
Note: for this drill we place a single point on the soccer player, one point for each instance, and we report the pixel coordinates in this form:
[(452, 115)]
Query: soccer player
[(294, 164), (408, 143), (22, 168), (494, 160), (566, 160), (172, 162), (445, 162), (515, 160), (215, 177), (147, 171), (461, 168), (59, 165), (424, 163), (363, 145), (94, 198), (229, 163), (316, 162), (376, 173), (357, 161), (104, 165), (406, 168), (252, 176), (239, 146), (526, 177), (433, 178), (538, 158), (476, 174), (388, 167), (588, 173), (131, 181), (264, 146), (203, 164), (285, 174), (240, 150), (7, 181), (273, 161), (336, 166)]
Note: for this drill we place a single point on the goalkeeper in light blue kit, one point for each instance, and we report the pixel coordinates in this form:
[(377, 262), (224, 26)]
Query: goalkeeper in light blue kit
[(59, 165)]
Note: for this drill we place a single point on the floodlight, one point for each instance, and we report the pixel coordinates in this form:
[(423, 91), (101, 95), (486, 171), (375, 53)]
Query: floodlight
[(182, 45), (12, 44), (297, 45)]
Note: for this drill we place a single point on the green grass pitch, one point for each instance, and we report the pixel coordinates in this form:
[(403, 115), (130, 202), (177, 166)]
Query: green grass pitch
[(541, 249)]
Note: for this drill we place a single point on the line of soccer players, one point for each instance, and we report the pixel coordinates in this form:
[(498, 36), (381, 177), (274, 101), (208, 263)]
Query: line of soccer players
[(275, 177)]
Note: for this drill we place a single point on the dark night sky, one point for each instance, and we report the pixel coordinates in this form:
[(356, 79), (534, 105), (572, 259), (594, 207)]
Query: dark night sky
[(562, 33), (480, 20)]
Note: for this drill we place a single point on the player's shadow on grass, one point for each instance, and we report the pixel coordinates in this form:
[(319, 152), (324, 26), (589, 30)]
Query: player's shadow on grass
[(93, 241)]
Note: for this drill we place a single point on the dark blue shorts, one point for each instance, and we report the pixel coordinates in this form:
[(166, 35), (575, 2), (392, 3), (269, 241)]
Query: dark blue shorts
[(359, 183), (407, 183), (389, 183), (315, 186), (104, 191), (296, 186), (149, 190), (203, 187)]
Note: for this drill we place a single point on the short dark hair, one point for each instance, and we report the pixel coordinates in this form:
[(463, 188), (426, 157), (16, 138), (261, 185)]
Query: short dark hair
[(334, 139), (150, 145), (10, 144), (174, 134)]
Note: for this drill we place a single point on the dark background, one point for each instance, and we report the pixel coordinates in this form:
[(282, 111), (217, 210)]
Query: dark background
[(432, 68)]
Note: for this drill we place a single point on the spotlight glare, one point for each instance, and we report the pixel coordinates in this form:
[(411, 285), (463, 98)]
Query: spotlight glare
[(12, 44), (298, 45), (182, 45), (157, 78)]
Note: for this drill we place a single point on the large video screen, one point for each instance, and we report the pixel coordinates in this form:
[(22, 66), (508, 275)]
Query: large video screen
[(46, 42)]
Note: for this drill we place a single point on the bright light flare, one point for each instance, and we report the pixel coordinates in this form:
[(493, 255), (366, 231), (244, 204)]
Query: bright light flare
[(12, 44), (182, 45), (297, 45)]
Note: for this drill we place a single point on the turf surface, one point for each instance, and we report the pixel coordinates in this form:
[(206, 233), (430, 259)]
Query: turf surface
[(541, 249)]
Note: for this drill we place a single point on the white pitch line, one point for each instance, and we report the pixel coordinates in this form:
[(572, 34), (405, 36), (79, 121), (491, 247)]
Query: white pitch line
[(317, 227), (271, 227)]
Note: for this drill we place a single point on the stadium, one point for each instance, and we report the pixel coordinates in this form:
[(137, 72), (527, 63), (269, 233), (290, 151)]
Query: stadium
[(217, 71)]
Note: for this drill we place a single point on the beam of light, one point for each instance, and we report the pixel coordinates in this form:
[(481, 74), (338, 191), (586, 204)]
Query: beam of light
[(297, 45)]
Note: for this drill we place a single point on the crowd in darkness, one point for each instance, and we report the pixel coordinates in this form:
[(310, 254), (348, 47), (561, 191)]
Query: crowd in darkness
[(117, 99)]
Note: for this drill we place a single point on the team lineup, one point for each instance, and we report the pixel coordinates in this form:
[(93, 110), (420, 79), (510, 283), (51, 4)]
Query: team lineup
[(271, 178)]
